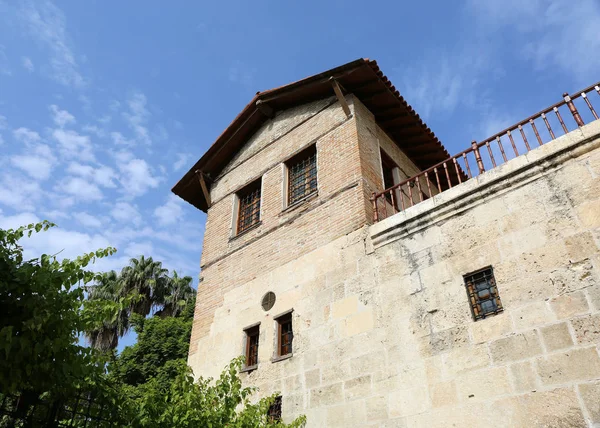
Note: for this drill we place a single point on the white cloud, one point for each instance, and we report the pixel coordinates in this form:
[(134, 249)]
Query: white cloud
[(27, 64), (87, 220), (81, 189), (74, 145), (19, 193), (136, 249), (38, 163), (61, 117), (137, 177), (137, 116), (47, 24), (126, 213), (120, 140), (102, 175), (182, 160), (26, 135), (169, 213)]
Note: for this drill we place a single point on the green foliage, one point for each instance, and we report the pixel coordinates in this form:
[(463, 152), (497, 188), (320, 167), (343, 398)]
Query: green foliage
[(204, 403), (41, 317)]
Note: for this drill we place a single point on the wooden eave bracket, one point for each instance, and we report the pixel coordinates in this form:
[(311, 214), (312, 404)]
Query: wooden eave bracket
[(340, 96), (204, 187), (265, 109)]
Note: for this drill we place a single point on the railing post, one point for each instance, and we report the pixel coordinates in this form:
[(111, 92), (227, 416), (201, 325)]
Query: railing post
[(375, 213), (477, 156), (573, 109)]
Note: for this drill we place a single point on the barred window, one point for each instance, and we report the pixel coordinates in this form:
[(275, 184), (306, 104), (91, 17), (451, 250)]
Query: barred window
[(249, 206), (302, 175), (285, 335), (274, 413), (483, 293), (252, 335)]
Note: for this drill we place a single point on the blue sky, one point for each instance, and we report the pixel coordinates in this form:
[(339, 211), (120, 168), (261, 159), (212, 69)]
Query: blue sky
[(105, 104)]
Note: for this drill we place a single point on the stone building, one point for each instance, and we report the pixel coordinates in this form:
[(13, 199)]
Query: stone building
[(466, 295)]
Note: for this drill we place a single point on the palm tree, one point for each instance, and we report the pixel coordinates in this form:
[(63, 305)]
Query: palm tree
[(175, 294), (108, 288), (141, 279)]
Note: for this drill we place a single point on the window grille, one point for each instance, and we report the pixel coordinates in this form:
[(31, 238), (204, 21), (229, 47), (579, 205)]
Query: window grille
[(249, 207), (274, 413), (285, 334), (483, 293), (302, 175), (268, 301), (252, 335)]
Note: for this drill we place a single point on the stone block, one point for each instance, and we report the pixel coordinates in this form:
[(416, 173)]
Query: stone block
[(594, 296), (345, 307), (366, 363), (557, 336), (515, 347), (587, 329), (357, 387), (347, 415), (589, 213), (326, 395), (569, 305), (335, 371), (580, 246), (377, 408), (312, 378), (532, 315), (465, 358), (491, 328), (575, 276), (524, 376), (359, 323), (556, 408), (442, 341), (408, 402), (522, 241), (590, 394), (483, 384), (443, 394), (570, 366)]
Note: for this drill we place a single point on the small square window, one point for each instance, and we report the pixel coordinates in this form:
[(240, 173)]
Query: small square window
[(285, 335), (252, 335), (248, 206), (274, 413), (302, 175), (483, 293)]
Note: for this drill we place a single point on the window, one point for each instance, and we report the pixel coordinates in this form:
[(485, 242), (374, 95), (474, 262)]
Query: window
[(483, 293), (248, 206), (274, 413), (285, 335), (252, 335), (302, 175)]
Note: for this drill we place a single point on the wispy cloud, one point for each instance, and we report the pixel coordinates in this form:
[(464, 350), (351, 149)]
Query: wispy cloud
[(125, 212), (38, 162), (27, 64), (102, 175), (61, 117), (74, 145), (47, 24), (169, 213), (558, 34), (26, 135), (80, 188), (182, 160), (137, 116)]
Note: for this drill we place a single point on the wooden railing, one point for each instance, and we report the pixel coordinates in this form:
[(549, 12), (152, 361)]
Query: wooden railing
[(487, 154)]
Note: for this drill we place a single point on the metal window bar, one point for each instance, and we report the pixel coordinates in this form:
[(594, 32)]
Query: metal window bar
[(249, 208), (302, 178), (483, 294)]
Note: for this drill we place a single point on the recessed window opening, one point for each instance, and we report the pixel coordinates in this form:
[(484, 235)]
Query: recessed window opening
[(252, 335), (285, 335), (249, 206), (483, 293), (274, 413), (302, 175)]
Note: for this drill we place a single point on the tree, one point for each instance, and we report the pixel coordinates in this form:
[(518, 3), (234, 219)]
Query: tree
[(141, 279), (42, 316), (176, 294)]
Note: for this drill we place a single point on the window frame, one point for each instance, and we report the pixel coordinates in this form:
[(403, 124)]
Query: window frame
[(237, 206), (288, 164), (249, 333), (281, 320), (475, 302)]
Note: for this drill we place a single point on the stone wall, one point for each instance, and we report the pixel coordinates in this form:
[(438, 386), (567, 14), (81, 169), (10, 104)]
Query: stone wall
[(383, 332)]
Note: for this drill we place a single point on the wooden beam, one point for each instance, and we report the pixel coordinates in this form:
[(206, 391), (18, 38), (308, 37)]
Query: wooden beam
[(340, 96), (265, 109), (204, 187)]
